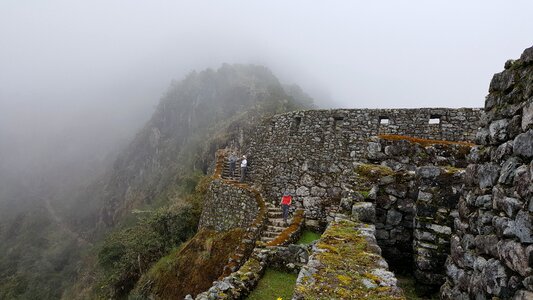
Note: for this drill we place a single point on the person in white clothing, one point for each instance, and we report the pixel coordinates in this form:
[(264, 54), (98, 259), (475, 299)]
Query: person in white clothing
[(244, 164)]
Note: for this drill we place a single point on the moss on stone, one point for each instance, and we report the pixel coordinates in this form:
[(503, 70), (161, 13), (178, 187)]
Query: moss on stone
[(346, 261), (453, 170), (373, 172), (251, 265), (364, 193)]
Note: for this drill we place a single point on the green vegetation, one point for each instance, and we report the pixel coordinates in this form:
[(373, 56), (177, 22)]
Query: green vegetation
[(364, 194), (37, 259), (308, 237), (373, 172), (274, 285), (191, 268), (126, 254), (146, 204)]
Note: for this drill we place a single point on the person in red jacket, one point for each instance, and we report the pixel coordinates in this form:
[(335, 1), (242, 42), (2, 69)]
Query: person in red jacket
[(286, 201)]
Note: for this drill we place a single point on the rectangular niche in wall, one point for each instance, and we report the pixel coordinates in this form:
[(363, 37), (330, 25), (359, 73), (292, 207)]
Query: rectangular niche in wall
[(384, 121), (296, 124), (434, 119), (337, 122)]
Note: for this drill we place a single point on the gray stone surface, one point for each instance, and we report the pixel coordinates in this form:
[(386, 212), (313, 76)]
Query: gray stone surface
[(364, 212), (227, 206), (502, 231), (522, 144), (321, 151)]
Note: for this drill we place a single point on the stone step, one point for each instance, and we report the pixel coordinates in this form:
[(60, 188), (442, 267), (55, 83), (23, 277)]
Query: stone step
[(274, 209), (275, 228), (271, 233), (275, 214), (265, 239), (278, 222)]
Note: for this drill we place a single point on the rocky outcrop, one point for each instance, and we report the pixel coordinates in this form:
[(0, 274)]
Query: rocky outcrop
[(492, 245)]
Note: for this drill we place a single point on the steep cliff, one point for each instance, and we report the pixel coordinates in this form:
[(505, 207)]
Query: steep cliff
[(206, 111)]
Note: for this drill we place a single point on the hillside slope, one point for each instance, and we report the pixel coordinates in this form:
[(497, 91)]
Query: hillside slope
[(149, 187)]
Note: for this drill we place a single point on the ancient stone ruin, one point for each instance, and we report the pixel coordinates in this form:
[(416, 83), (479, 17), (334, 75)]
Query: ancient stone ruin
[(443, 194)]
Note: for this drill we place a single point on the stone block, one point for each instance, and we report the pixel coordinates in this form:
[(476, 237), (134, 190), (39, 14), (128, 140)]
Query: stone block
[(394, 217), (527, 116), (428, 172), (508, 169), (524, 226), (516, 256), (523, 144), (498, 131), (364, 212), (523, 295)]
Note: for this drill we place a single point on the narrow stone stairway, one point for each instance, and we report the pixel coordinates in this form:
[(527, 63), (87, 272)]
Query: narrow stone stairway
[(275, 223), (226, 173)]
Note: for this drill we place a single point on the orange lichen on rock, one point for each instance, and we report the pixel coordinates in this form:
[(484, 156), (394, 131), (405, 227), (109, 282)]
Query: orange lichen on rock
[(423, 142)]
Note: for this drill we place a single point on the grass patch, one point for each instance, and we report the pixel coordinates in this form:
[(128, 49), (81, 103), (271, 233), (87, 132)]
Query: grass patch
[(274, 284), (365, 194), (308, 237)]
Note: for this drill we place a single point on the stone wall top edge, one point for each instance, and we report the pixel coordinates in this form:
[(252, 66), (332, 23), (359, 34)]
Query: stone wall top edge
[(375, 110)]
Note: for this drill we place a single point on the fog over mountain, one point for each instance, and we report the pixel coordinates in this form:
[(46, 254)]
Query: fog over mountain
[(103, 65), (79, 79)]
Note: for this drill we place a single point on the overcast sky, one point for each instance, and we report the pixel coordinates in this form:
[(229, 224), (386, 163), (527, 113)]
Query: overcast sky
[(108, 62)]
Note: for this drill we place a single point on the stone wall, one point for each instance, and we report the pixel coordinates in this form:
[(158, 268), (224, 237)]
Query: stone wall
[(414, 185), (311, 153), (239, 284), (346, 263), (492, 246), (228, 206), (436, 203), (393, 195)]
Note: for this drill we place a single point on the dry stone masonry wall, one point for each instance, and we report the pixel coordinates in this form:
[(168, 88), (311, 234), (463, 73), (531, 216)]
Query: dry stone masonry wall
[(436, 203), (414, 186), (228, 206), (346, 263), (492, 246), (311, 153)]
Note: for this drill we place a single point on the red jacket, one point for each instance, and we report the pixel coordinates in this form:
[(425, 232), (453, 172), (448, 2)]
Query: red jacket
[(286, 200)]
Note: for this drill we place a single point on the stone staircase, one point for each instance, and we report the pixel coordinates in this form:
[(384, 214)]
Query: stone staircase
[(275, 223), (226, 173)]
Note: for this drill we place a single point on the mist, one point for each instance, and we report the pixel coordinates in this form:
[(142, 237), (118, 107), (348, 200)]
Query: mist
[(78, 79)]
